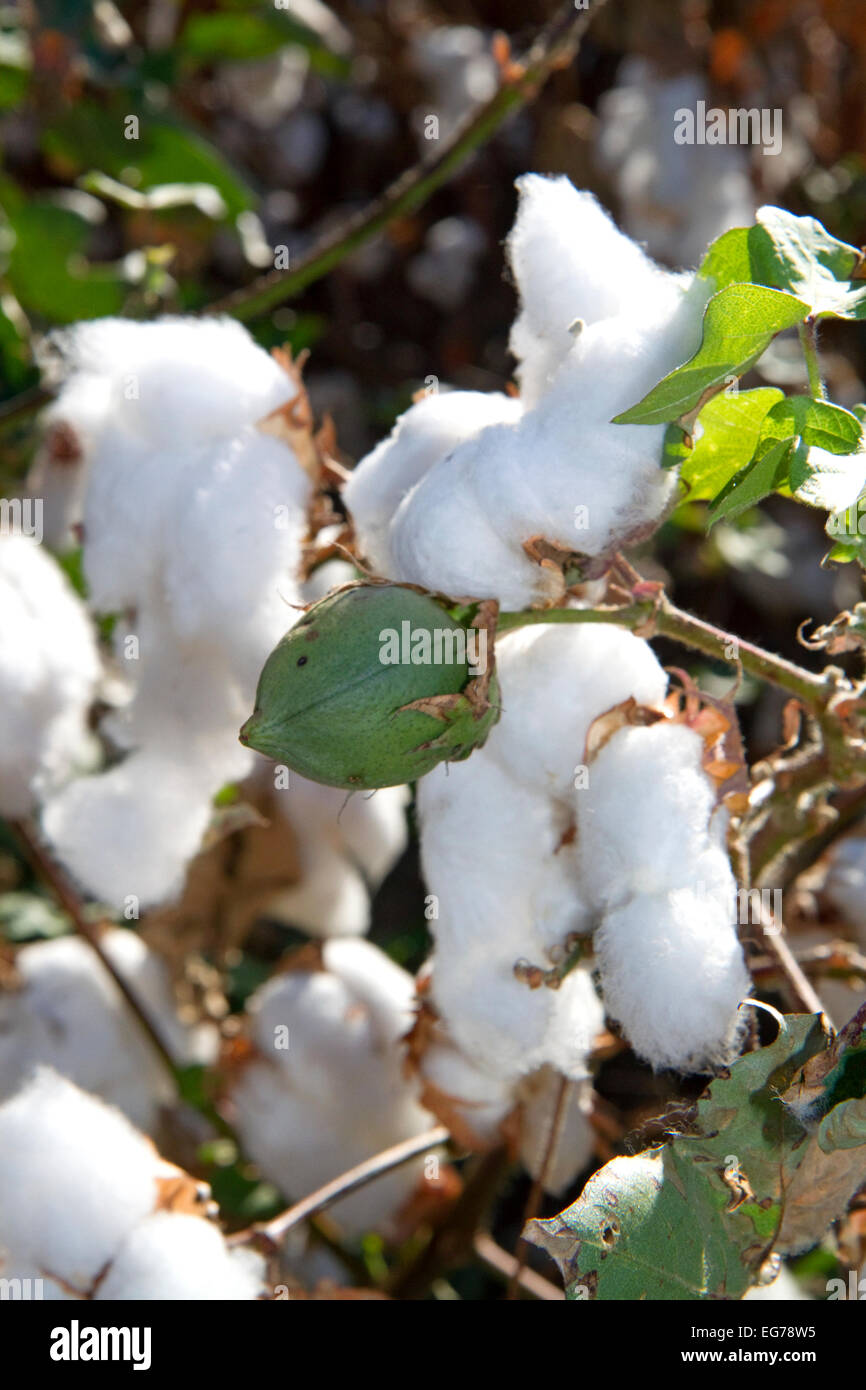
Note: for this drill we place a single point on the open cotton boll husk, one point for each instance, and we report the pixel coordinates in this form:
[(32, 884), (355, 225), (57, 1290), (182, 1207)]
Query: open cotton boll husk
[(49, 674)]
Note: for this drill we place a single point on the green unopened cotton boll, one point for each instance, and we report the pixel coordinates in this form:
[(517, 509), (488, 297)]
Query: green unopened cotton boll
[(373, 687)]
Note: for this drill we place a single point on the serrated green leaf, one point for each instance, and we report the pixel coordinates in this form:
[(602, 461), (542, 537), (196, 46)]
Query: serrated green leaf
[(739, 324), (729, 429)]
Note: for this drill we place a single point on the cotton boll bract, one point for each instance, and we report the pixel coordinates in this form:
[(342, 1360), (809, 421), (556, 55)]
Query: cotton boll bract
[(49, 672)]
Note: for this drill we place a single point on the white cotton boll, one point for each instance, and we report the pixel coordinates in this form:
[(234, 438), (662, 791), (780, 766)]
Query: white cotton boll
[(75, 1178), (71, 1016), (643, 819), (481, 1098), (232, 547), (382, 986), (337, 1093), (129, 832), (489, 849), (675, 198), (555, 680), (175, 381), (458, 64), (375, 831), (345, 848), (571, 262), (331, 896), (174, 1256), (441, 535), (49, 672), (561, 471), (425, 434), (673, 976)]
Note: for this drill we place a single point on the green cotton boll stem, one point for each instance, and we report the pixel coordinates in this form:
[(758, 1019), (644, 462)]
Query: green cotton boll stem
[(336, 698)]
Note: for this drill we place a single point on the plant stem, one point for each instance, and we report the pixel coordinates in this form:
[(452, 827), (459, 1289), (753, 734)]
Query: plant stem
[(662, 618), (273, 1231), (809, 342), (554, 46), (54, 877)]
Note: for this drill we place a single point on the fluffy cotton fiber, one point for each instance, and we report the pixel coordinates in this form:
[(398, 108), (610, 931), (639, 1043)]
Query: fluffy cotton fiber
[(79, 1197), (49, 672), (336, 1094), (453, 513), (193, 520)]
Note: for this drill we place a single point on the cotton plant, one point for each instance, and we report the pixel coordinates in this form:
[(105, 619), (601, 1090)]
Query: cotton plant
[(472, 490), (527, 847), (63, 1010), (192, 518), (89, 1208), (325, 1086)]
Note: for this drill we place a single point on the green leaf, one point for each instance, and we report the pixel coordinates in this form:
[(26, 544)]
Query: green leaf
[(48, 271), (28, 917), (695, 1218), (802, 257), (91, 137), (730, 427), (817, 423), (760, 477), (739, 324)]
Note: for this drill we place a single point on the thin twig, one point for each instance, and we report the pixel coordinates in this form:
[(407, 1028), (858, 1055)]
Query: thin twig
[(664, 619), (451, 1245), (536, 1192), (54, 877), (554, 46), (500, 1262), (800, 987), (272, 1232)]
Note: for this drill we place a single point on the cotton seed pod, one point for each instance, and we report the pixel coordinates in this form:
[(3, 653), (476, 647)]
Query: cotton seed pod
[(374, 686)]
